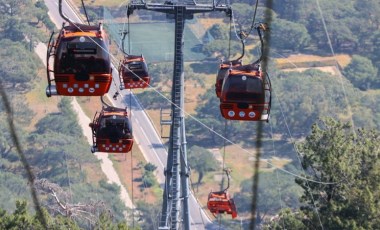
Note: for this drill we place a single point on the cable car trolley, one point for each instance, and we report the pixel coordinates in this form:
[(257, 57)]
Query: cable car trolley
[(246, 90), (81, 61), (133, 72), (221, 202), (111, 131), (246, 94)]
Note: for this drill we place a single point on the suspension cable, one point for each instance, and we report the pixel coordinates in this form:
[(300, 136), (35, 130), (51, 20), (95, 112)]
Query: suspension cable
[(277, 178), (85, 12), (252, 24), (103, 102), (124, 34), (337, 66), (121, 33), (229, 38), (255, 185), (254, 18), (62, 14), (260, 27), (132, 176), (300, 161), (129, 35), (224, 144)]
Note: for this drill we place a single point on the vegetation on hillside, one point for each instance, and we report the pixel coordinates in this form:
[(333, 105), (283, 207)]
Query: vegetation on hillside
[(347, 163), (54, 151)]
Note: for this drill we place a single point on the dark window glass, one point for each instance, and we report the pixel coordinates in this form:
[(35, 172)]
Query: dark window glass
[(239, 88), (90, 56)]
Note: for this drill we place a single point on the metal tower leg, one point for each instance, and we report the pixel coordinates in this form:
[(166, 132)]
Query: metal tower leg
[(177, 134), (177, 173)]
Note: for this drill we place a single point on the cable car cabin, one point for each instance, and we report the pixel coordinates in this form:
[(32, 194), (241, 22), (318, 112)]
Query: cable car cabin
[(111, 131), (223, 73), (82, 64), (220, 202), (246, 94), (133, 72)]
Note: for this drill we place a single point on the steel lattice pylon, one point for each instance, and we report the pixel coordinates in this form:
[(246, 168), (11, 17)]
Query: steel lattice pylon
[(177, 172)]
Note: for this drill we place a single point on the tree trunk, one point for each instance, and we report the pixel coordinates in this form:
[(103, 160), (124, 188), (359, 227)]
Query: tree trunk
[(200, 177)]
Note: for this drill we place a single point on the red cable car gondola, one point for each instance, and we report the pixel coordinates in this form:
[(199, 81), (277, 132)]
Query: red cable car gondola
[(82, 64), (111, 131), (221, 202), (223, 73), (246, 90), (133, 72), (246, 94)]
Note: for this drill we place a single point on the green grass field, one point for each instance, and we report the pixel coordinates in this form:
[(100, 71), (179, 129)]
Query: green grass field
[(156, 41)]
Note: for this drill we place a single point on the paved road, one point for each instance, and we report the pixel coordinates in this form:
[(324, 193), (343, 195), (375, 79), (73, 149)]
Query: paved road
[(144, 132), (106, 163)]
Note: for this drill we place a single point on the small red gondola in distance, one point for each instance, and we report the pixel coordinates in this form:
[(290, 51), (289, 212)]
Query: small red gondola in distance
[(246, 94), (223, 71), (133, 72), (111, 131), (221, 202), (82, 64)]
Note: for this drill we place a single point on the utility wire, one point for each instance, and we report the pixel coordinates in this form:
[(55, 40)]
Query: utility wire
[(300, 162), (224, 151), (277, 178), (337, 66)]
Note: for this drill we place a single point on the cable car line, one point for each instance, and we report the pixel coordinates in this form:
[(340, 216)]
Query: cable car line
[(253, 19), (62, 14), (221, 136), (132, 176), (137, 63), (129, 29), (277, 178), (221, 202), (337, 67), (229, 38), (85, 12), (224, 144), (298, 154), (120, 48), (252, 24), (104, 103), (124, 34)]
